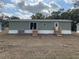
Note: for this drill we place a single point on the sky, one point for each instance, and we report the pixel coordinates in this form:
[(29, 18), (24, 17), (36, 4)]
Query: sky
[(25, 8)]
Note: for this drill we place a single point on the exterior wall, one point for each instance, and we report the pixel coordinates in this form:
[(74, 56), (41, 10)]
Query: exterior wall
[(0, 26), (19, 25), (48, 27), (65, 27), (26, 25), (78, 28), (43, 27)]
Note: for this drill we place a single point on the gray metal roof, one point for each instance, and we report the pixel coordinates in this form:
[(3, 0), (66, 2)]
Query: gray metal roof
[(65, 20)]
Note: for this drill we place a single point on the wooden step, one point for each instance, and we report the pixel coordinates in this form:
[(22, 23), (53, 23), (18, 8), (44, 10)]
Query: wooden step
[(59, 35), (34, 33)]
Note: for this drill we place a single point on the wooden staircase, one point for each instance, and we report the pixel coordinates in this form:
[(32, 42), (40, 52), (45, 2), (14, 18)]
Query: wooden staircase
[(58, 32), (34, 33)]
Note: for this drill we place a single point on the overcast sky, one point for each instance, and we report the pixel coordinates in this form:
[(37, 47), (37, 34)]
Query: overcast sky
[(25, 8)]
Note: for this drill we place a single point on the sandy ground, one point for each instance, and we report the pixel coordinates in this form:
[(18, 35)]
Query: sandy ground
[(41, 47)]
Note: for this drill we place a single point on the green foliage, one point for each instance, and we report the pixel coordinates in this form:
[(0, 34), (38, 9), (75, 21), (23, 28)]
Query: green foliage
[(38, 16), (69, 14), (14, 17), (55, 15), (75, 15)]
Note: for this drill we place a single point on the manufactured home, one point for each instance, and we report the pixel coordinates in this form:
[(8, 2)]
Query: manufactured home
[(40, 26), (0, 25)]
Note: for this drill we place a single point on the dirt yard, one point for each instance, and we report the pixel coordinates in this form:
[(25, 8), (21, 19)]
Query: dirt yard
[(41, 47)]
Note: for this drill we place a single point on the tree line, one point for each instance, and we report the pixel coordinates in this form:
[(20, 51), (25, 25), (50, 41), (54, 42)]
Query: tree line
[(69, 14)]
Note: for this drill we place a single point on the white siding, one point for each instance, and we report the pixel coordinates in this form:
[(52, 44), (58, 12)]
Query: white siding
[(46, 31), (66, 32), (0, 27), (78, 28), (28, 31), (13, 32)]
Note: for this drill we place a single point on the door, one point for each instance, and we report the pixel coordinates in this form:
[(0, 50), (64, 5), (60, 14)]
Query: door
[(74, 27), (56, 25), (33, 26), (57, 28)]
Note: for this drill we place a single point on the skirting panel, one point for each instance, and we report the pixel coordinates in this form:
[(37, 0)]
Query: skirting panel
[(66, 32), (46, 31), (0, 30), (77, 31), (13, 32), (41, 31), (28, 31)]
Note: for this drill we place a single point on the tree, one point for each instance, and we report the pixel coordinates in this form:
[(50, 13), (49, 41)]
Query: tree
[(14, 17), (69, 14), (38, 16), (54, 15), (75, 15), (33, 17), (65, 15)]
